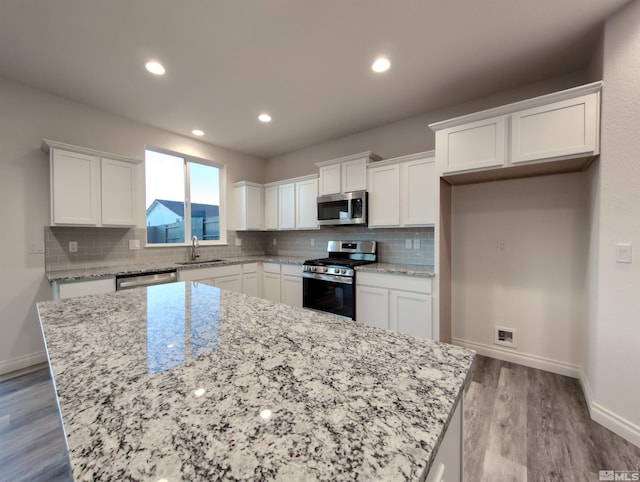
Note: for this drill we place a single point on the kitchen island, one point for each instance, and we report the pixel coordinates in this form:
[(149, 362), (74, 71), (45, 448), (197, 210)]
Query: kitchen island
[(185, 381)]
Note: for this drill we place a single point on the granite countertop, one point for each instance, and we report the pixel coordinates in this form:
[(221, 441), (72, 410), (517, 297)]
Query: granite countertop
[(417, 270), (185, 381), (109, 271)]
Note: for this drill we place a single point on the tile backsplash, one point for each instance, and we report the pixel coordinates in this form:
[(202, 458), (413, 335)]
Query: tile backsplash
[(98, 247)]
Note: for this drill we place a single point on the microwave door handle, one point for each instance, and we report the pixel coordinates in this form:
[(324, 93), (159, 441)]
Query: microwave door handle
[(350, 209)]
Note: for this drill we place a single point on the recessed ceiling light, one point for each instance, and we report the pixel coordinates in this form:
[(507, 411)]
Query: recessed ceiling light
[(381, 65), (155, 67), (197, 132), (264, 118)]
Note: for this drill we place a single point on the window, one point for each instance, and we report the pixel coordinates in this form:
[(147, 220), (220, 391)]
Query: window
[(183, 199)]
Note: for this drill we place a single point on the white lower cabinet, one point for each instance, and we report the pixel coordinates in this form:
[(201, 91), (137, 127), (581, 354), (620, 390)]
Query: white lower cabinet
[(291, 285), (271, 281), (395, 302), (225, 277), (250, 279), (83, 288), (447, 466)]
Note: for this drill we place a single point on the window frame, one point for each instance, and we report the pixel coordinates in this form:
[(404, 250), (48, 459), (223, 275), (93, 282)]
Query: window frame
[(188, 158)]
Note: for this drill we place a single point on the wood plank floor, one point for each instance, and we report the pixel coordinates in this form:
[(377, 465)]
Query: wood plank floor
[(520, 424), (523, 424)]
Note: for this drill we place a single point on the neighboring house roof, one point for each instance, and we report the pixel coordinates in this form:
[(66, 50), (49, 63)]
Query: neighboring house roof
[(197, 210)]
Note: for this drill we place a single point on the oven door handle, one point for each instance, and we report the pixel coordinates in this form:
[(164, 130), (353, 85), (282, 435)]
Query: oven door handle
[(347, 280)]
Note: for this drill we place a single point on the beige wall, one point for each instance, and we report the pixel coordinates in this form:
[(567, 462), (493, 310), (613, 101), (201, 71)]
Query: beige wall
[(537, 284), (406, 136), (27, 116), (613, 365)]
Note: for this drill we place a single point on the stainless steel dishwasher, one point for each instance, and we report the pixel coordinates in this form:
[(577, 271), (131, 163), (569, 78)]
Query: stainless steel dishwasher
[(129, 281)]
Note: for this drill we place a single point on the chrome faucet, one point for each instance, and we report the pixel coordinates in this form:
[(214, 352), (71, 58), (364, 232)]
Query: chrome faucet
[(194, 248)]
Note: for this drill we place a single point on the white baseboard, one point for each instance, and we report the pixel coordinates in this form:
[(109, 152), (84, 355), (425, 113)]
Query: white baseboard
[(526, 359), (23, 361), (619, 425)]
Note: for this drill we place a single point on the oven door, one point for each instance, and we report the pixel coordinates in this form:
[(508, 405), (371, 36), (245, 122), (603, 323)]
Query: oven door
[(333, 294)]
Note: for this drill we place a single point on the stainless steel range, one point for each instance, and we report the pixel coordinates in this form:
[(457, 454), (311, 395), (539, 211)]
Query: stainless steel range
[(329, 283)]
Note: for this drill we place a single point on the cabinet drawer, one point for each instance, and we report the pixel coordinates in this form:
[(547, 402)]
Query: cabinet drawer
[(197, 274), (84, 288), (271, 268), (291, 269), (250, 268), (396, 282)]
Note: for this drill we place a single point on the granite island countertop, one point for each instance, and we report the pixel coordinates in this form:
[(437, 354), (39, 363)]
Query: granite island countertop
[(185, 381)]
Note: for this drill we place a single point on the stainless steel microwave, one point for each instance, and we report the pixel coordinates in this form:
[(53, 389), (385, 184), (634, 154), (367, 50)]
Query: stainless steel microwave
[(341, 209)]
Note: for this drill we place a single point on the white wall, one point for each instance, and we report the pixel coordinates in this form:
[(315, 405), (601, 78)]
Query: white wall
[(537, 284), (28, 116), (613, 366), (407, 136)]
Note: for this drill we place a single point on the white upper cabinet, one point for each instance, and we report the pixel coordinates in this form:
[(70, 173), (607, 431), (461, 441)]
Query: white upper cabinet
[(249, 206), (563, 126), (118, 182), (306, 204), (91, 188), (75, 188), (345, 174), (291, 204), (271, 207), (384, 196), (402, 191), (287, 206), (476, 145)]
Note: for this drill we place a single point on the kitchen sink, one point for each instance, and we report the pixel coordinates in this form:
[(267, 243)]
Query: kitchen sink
[(200, 261)]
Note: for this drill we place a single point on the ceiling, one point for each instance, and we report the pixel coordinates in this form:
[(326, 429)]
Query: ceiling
[(305, 62)]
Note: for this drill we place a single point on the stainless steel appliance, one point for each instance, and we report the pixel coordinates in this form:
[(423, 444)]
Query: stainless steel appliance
[(329, 283), (129, 281), (341, 209)]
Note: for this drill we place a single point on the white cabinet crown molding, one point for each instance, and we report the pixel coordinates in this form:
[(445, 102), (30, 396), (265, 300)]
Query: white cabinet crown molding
[(247, 183), (292, 180), (48, 144), (521, 105), (370, 156), (397, 160)]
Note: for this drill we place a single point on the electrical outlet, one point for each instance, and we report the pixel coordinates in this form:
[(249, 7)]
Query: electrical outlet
[(500, 246), (313, 242), (238, 241), (275, 242), (407, 243), (73, 246), (416, 244), (623, 253), (35, 247), (134, 244)]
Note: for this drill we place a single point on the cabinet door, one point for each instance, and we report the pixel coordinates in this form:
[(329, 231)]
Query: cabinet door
[(330, 179), (418, 186), (354, 175), (118, 182), (287, 206), (231, 283), (565, 128), (291, 290), (306, 204), (477, 145), (271, 286), (372, 306), (271, 207), (249, 207), (75, 188), (384, 196), (250, 285), (410, 313), (448, 464)]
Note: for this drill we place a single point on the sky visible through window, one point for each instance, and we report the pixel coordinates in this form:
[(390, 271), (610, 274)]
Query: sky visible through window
[(165, 180)]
